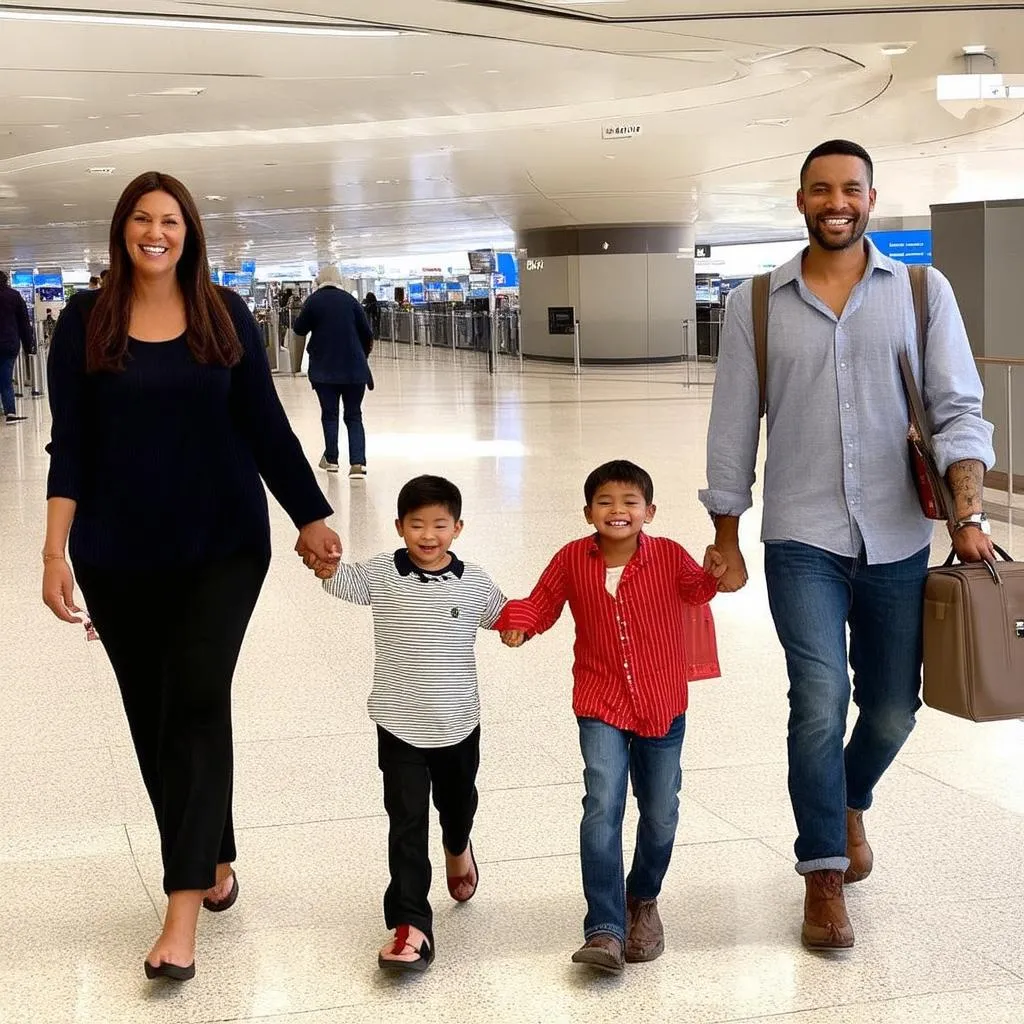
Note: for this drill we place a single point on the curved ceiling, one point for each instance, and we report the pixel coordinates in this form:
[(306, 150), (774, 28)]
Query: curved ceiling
[(333, 129)]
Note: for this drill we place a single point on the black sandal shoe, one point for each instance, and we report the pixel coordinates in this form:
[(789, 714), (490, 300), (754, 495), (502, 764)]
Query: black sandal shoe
[(171, 971), (219, 906), (418, 966)]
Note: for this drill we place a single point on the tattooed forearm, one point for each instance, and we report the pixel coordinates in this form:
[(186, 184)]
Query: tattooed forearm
[(967, 481)]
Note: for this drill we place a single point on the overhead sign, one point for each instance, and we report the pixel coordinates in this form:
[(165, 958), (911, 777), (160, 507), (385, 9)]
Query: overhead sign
[(702, 252), (534, 264), (621, 131), (248, 267)]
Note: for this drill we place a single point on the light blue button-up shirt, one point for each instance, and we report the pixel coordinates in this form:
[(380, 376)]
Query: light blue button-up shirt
[(837, 471)]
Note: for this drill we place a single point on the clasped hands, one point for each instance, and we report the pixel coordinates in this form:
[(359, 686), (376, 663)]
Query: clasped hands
[(319, 547)]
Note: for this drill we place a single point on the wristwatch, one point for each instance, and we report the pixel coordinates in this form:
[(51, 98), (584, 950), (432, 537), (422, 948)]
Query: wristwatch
[(979, 519)]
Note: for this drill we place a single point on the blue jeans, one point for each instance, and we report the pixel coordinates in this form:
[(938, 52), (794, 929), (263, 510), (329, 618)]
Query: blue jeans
[(611, 757), (7, 384), (813, 596), (350, 396)]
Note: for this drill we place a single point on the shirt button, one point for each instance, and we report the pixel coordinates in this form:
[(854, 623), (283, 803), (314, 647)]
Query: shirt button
[(849, 465), (847, 406), (842, 366)]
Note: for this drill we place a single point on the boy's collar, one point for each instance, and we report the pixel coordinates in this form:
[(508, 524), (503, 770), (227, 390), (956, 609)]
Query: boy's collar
[(639, 555), (406, 566)]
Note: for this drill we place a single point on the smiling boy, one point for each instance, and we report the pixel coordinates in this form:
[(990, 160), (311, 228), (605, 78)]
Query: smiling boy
[(427, 608), (643, 630)]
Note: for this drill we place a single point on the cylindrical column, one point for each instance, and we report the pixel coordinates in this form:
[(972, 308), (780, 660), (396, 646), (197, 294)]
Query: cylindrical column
[(576, 349)]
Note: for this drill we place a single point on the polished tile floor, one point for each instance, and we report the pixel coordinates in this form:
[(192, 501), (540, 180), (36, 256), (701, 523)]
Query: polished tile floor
[(940, 925)]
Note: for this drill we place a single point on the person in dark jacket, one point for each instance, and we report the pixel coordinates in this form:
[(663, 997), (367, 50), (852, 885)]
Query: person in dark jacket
[(372, 308), (165, 426), (339, 369), (15, 334)]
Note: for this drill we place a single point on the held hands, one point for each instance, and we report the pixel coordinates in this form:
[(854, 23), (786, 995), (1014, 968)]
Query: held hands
[(513, 637), (59, 590), (727, 566), (319, 547)]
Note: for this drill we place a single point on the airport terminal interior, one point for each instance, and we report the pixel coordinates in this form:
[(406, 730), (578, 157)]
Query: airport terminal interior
[(552, 201)]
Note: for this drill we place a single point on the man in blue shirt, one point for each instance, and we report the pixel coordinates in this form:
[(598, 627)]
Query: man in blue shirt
[(15, 334), (846, 542)]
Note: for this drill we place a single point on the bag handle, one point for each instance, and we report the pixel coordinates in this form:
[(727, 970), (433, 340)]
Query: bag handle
[(759, 310), (992, 571), (915, 402)]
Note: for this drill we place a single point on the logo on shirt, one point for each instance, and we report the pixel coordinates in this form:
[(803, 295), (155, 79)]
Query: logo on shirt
[(455, 613)]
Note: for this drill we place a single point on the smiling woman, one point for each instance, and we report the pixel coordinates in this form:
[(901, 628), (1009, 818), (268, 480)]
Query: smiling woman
[(156, 234), (165, 426)]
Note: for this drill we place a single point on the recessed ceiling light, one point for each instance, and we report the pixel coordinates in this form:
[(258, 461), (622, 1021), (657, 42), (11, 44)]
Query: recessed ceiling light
[(215, 199), (180, 90), (51, 125), (94, 117), (106, 171), (68, 206), (975, 49), (895, 49), (59, 99)]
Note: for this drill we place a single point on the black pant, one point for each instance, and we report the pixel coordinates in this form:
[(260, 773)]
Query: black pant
[(409, 773), (173, 640)]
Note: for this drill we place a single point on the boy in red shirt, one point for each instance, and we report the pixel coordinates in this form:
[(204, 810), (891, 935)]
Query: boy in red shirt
[(643, 630)]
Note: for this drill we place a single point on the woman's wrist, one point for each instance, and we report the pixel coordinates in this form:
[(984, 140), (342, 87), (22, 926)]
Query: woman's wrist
[(53, 556)]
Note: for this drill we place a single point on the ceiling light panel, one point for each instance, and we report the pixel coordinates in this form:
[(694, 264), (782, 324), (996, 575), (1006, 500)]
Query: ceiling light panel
[(193, 24)]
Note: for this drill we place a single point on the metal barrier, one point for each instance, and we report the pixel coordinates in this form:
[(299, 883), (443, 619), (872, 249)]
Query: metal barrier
[(1009, 365)]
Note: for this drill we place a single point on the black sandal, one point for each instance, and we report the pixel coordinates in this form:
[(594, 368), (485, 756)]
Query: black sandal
[(418, 966), (219, 906), (171, 971)]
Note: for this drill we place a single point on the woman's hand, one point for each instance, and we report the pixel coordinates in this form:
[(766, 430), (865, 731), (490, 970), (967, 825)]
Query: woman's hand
[(59, 590)]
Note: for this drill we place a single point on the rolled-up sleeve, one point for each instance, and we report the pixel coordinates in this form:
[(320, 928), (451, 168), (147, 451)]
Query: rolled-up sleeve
[(735, 421), (952, 387), (65, 372)]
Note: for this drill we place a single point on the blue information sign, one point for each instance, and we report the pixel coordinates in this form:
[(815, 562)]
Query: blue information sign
[(22, 278), (248, 267), (904, 246), (508, 271), (417, 295)]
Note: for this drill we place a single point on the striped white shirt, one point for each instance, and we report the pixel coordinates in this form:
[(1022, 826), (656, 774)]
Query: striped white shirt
[(424, 630)]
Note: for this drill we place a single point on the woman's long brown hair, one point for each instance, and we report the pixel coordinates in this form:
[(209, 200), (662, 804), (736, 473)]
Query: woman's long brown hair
[(211, 333)]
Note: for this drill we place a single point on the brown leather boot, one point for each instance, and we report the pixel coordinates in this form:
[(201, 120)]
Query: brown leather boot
[(826, 923), (645, 935), (857, 848), (601, 951)]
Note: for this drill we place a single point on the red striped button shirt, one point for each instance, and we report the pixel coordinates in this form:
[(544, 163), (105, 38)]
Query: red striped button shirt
[(636, 652)]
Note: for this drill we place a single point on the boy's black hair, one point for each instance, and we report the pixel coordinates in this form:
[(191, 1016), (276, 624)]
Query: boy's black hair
[(619, 472), (430, 490), (839, 147)]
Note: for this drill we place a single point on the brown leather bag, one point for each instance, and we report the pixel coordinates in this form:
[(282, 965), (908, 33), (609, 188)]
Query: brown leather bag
[(974, 640), (932, 490)]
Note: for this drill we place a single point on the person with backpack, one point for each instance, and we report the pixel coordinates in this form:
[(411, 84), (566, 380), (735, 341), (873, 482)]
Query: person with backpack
[(846, 541), (15, 335)]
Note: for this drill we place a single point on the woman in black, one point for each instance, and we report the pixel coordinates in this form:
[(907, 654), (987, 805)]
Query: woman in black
[(165, 419)]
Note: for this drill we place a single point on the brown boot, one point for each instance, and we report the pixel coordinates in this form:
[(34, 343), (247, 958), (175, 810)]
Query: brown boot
[(826, 923), (601, 951), (857, 848), (645, 935)]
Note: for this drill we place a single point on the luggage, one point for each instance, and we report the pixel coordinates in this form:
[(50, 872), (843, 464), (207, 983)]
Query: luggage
[(974, 639)]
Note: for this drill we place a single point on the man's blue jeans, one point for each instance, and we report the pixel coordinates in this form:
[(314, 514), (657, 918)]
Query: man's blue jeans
[(813, 596), (611, 757)]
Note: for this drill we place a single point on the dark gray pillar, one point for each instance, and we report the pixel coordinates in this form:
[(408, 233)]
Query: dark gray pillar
[(631, 287), (980, 248)]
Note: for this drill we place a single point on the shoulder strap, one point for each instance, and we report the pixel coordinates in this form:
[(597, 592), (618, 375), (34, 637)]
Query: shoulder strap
[(919, 288), (759, 310)]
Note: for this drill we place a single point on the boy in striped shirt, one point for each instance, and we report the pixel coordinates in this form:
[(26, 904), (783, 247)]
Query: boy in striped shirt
[(427, 608), (643, 630)]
